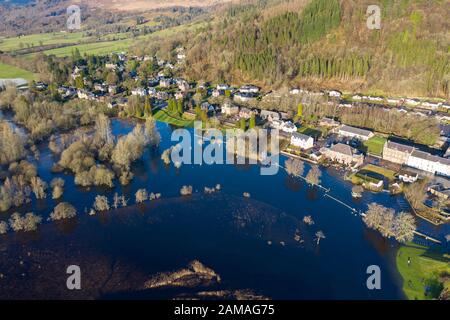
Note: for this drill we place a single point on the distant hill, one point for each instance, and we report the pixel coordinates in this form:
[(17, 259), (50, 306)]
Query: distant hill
[(42, 16), (326, 43), (140, 5)]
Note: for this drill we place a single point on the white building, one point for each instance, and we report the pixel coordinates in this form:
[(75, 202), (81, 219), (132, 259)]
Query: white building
[(335, 94), (249, 89), (281, 125), (244, 96), (289, 127), (139, 92), (429, 163), (302, 141), (222, 87)]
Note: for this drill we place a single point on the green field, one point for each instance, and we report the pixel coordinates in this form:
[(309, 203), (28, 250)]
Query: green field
[(9, 72), (315, 133), (103, 47), (383, 171), (163, 116), (375, 145), (424, 271), (100, 48), (11, 44)]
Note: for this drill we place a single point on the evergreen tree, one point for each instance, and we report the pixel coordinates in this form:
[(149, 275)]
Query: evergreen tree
[(252, 123), (148, 110)]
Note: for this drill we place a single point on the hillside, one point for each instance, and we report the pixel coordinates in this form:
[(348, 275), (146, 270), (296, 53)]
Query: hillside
[(44, 16), (326, 43), (142, 5)]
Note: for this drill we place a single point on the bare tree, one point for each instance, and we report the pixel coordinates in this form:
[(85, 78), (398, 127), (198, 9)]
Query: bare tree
[(319, 235), (416, 193), (63, 211), (313, 176), (39, 187), (295, 167), (3, 227), (101, 203), (12, 144), (58, 188), (141, 196), (404, 227), (29, 222), (153, 136), (401, 226), (308, 220), (186, 190), (103, 133), (165, 156)]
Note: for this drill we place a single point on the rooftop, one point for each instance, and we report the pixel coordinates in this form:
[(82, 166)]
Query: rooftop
[(301, 136), (342, 148), (430, 157), (400, 147), (357, 131)]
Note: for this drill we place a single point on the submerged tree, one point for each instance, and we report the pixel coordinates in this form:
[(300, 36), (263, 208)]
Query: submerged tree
[(186, 190), (319, 235), (101, 203), (63, 211), (308, 220), (295, 167), (401, 226), (39, 187), (29, 222), (12, 145), (141, 196), (58, 188), (3, 227), (313, 176)]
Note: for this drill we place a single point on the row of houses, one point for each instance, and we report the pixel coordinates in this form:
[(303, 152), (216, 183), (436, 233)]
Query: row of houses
[(414, 158), (410, 102)]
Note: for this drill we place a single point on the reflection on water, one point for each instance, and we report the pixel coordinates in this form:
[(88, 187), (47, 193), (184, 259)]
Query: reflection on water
[(251, 245), (258, 244)]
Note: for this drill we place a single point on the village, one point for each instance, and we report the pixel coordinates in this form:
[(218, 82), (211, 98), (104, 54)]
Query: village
[(369, 159)]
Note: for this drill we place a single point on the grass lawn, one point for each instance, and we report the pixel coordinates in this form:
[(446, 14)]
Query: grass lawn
[(385, 172), (9, 72), (423, 271), (163, 116), (375, 145), (15, 43), (316, 134), (122, 43)]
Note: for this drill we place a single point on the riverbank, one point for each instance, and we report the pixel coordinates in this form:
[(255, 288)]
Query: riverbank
[(426, 275)]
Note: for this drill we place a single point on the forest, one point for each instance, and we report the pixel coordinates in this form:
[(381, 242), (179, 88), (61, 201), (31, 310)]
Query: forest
[(321, 43)]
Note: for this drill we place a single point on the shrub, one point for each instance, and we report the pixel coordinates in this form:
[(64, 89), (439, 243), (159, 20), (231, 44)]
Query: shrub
[(101, 203), (141, 196), (3, 227), (63, 211), (39, 187), (27, 223), (58, 188), (308, 220), (186, 190)]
